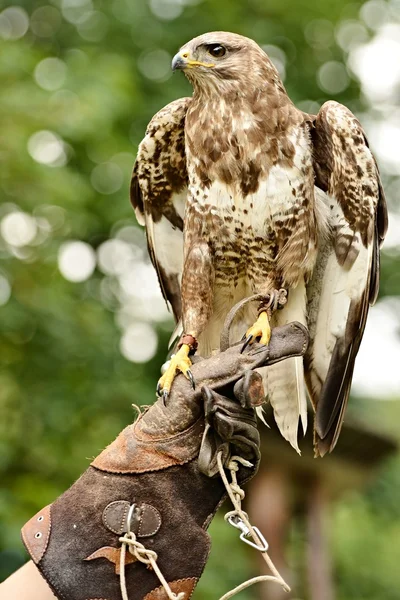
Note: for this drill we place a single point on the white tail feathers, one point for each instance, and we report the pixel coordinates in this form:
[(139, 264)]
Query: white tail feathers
[(284, 382), (286, 393)]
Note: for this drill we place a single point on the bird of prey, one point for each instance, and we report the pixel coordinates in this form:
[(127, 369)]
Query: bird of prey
[(242, 193)]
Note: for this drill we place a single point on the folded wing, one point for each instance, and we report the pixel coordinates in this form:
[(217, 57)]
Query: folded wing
[(158, 195), (346, 279)]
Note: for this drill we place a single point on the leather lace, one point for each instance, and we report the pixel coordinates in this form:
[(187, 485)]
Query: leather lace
[(145, 556)]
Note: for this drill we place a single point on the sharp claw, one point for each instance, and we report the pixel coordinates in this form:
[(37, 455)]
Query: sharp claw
[(165, 397), (159, 389), (192, 381), (247, 342)]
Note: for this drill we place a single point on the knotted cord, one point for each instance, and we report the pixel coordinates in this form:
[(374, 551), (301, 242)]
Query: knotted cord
[(237, 517), (236, 495), (142, 554)]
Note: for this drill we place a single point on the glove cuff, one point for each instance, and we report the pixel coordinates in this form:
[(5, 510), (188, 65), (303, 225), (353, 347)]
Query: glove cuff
[(138, 450), (75, 542)]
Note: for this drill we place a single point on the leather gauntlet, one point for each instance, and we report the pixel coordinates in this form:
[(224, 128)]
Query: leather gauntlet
[(149, 486)]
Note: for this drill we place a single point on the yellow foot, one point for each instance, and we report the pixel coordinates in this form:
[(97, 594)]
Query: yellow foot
[(178, 362), (261, 329)]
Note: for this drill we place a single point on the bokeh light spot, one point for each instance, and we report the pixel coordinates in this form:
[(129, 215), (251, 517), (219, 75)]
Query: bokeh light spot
[(50, 73), (319, 33), (76, 261), (351, 34), (332, 77), (377, 373), (132, 235), (5, 290), (14, 23), (47, 148), (377, 64), (115, 257), (18, 229), (140, 282), (375, 13), (45, 21), (155, 65), (139, 343), (94, 27), (76, 11), (392, 239), (167, 10), (386, 144), (107, 178)]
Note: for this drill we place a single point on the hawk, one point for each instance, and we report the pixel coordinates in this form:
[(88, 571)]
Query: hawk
[(242, 193)]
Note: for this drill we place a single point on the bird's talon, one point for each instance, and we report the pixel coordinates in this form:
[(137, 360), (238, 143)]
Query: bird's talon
[(261, 330), (178, 362), (247, 342), (190, 376), (165, 397)]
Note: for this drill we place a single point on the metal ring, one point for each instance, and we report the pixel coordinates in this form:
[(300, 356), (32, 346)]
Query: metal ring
[(263, 547), (237, 522), (224, 339), (129, 518)]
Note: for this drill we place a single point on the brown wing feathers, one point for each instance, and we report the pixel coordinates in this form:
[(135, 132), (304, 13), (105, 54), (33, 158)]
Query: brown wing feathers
[(158, 194), (347, 172), (336, 388)]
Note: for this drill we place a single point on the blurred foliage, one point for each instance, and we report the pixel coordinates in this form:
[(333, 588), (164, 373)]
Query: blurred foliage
[(65, 388)]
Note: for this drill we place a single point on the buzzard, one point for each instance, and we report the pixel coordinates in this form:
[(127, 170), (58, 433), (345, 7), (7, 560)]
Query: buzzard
[(242, 193)]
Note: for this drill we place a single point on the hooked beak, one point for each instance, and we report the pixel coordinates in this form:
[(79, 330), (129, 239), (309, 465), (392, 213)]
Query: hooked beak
[(179, 61), (183, 60)]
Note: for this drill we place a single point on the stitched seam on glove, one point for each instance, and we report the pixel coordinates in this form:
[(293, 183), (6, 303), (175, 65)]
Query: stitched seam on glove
[(176, 436)]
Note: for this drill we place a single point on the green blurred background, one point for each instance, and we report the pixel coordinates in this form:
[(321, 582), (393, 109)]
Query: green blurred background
[(83, 328)]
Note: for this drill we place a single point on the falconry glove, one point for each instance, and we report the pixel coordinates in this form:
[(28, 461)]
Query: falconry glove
[(150, 496)]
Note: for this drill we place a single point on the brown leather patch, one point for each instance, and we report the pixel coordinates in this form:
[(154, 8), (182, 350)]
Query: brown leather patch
[(114, 517), (145, 519), (113, 555), (180, 585), (149, 522), (137, 452), (36, 533)]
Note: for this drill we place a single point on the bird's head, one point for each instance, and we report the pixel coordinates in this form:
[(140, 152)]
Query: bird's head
[(213, 59)]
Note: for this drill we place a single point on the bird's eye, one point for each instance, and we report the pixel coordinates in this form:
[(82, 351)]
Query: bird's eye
[(216, 50)]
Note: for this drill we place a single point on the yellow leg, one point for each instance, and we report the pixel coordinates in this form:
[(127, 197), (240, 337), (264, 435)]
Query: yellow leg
[(261, 329), (178, 362)]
